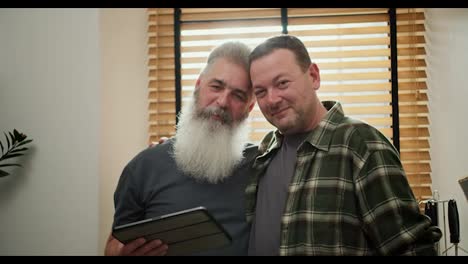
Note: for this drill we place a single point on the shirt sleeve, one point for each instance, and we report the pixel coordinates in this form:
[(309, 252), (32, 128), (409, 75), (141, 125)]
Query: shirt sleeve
[(128, 205), (390, 212)]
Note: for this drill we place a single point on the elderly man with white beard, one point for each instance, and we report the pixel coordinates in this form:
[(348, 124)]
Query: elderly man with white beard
[(206, 164)]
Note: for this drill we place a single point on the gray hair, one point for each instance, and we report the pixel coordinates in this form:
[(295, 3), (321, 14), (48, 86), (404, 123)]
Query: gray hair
[(234, 51)]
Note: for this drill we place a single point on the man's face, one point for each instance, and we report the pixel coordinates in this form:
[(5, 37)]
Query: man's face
[(224, 93), (285, 94)]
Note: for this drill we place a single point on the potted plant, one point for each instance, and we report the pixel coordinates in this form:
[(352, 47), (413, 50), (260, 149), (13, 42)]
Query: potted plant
[(14, 147)]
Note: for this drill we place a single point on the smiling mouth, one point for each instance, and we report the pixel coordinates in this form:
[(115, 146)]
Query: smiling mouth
[(279, 112), (218, 118)]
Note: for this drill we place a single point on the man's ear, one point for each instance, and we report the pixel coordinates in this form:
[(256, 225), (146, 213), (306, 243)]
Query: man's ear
[(197, 84), (315, 74)]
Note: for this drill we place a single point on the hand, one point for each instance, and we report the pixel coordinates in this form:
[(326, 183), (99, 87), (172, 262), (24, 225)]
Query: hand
[(141, 247), (138, 247), (161, 140)]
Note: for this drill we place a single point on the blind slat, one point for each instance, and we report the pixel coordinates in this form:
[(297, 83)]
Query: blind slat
[(350, 53), (292, 12), (419, 178), (341, 31), (240, 14), (354, 64), (381, 98), (411, 63), (413, 109), (414, 144), (413, 120), (415, 155), (162, 85), (412, 97), (338, 19), (417, 167), (269, 22), (169, 118), (224, 36), (414, 132)]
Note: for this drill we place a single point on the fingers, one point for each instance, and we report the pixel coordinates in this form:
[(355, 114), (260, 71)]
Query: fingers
[(130, 248), (159, 249), (113, 247), (140, 247), (162, 140)]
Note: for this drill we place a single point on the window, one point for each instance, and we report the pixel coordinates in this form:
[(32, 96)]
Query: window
[(352, 47)]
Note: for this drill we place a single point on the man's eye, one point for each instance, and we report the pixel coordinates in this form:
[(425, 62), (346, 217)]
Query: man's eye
[(260, 93), (240, 97), (283, 84)]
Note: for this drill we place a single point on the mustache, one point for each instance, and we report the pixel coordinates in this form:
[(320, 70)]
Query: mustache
[(210, 111)]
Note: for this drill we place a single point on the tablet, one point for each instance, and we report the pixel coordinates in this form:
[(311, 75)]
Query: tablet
[(185, 232)]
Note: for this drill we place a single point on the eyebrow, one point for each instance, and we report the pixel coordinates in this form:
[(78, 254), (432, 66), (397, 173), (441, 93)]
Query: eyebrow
[(218, 81), (274, 80), (234, 89), (279, 76)]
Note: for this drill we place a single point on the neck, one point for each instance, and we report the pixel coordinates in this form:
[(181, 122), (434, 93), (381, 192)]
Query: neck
[(320, 112)]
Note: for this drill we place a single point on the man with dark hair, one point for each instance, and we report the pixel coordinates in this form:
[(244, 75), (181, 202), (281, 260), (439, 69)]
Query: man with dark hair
[(327, 184)]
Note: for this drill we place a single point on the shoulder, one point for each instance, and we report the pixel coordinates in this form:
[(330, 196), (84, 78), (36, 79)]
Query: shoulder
[(362, 137), (153, 156), (268, 140), (250, 151)]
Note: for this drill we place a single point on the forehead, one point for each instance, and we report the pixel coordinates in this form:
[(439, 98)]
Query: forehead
[(277, 57), (230, 73), (278, 62)]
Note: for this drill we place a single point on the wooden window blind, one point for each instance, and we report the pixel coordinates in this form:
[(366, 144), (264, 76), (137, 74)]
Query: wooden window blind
[(352, 49), (161, 64), (413, 101), (350, 45)]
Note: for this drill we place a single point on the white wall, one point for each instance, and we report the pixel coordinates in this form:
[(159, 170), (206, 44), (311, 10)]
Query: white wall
[(49, 89), (75, 81), (447, 66), (124, 101)]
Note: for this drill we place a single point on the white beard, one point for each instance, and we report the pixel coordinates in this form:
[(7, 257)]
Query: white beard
[(205, 149)]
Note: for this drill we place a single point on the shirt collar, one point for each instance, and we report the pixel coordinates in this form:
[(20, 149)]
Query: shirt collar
[(321, 136)]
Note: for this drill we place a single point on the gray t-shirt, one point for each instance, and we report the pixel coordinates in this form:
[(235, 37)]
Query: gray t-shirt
[(271, 199), (151, 185)]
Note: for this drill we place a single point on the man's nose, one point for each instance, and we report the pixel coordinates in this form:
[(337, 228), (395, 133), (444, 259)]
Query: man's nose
[(222, 99), (273, 98)]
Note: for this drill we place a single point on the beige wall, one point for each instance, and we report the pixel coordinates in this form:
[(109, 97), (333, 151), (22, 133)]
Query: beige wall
[(124, 78), (447, 64), (49, 89)]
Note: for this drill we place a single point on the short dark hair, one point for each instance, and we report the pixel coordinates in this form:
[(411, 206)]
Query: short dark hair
[(288, 42)]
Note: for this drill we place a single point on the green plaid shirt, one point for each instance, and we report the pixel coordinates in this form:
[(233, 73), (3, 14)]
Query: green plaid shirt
[(348, 196)]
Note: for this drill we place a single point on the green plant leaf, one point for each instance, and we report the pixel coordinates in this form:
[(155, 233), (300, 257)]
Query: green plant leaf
[(3, 173), (9, 156), (16, 133), (10, 164), (22, 137), (18, 150), (24, 142), (8, 141), (13, 139)]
